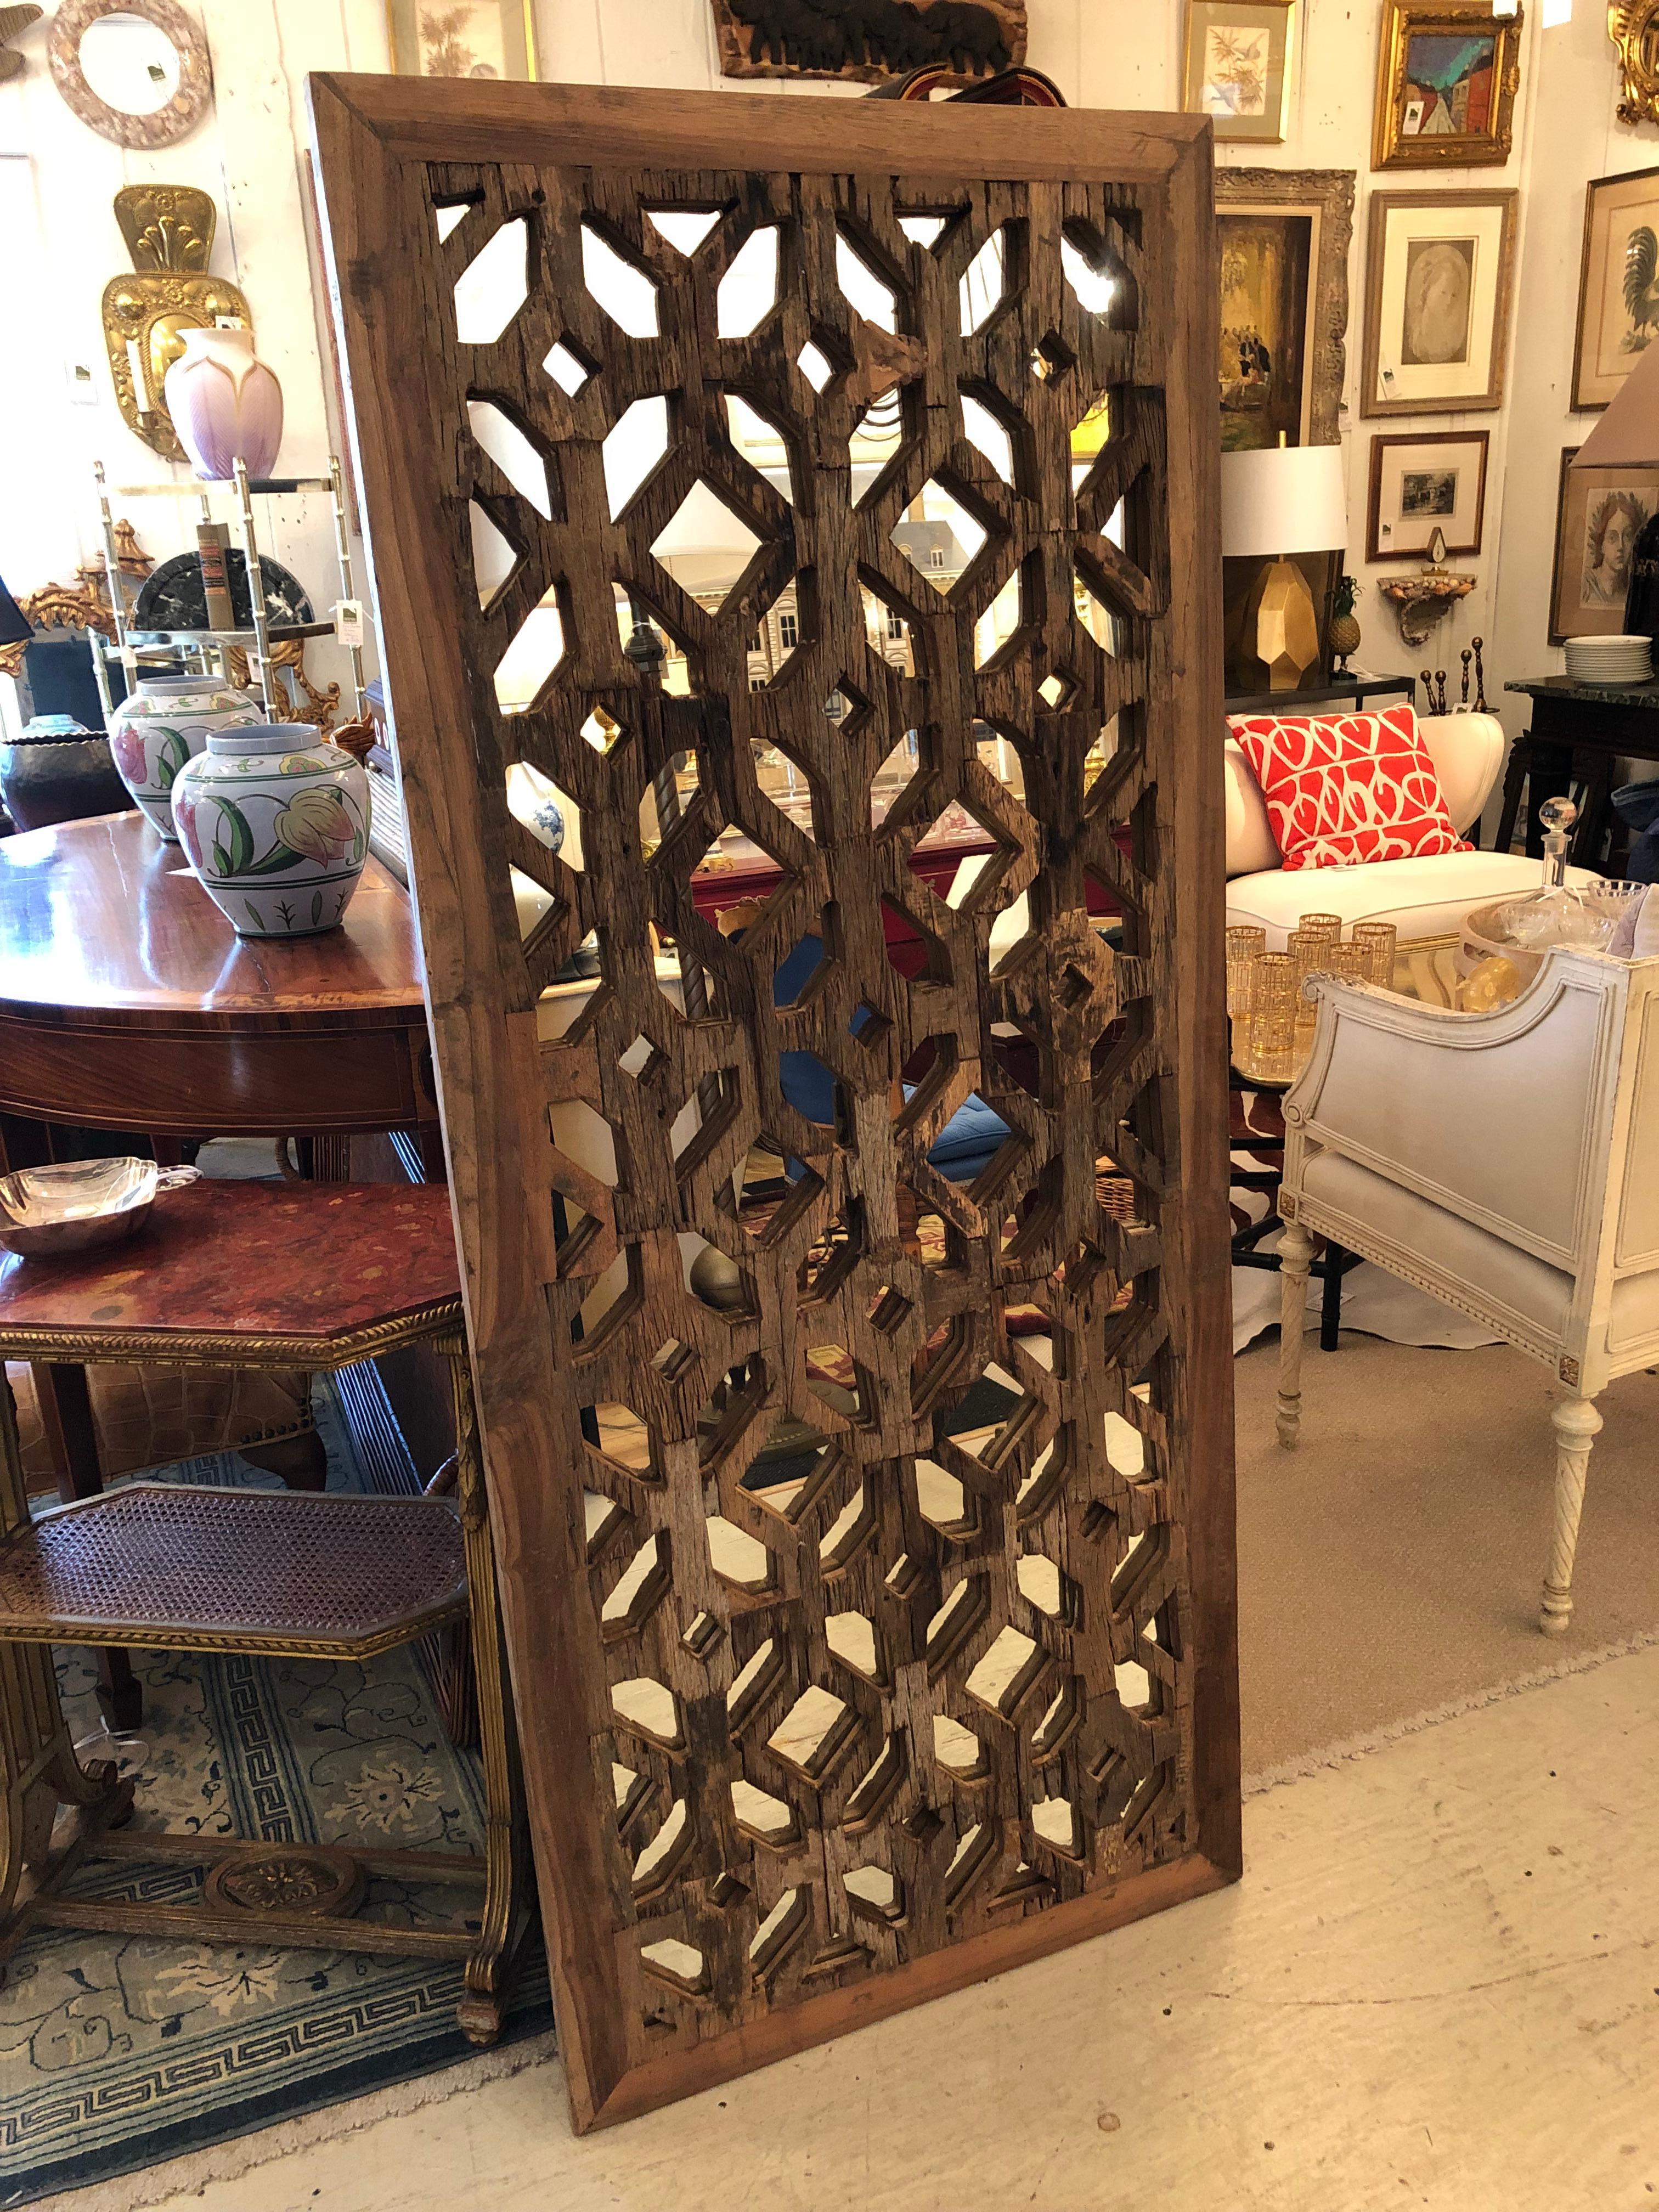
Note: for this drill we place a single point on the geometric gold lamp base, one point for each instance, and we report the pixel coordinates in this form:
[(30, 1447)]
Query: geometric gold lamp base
[(1281, 629)]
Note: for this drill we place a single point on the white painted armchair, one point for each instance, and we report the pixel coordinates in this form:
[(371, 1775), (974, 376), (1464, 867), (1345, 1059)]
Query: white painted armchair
[(1509, 1163)]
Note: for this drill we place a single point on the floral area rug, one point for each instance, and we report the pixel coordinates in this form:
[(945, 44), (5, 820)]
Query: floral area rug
[(116, 2052)]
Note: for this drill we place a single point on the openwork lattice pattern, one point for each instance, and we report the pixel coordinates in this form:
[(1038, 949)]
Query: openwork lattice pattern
[(874, 1446)]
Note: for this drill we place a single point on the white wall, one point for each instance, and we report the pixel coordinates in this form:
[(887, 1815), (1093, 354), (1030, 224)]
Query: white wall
[(1101, 52)]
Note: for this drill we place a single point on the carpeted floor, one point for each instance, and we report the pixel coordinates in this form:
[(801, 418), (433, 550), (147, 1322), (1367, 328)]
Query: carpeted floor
[(117, 2052), (1392, 1564)]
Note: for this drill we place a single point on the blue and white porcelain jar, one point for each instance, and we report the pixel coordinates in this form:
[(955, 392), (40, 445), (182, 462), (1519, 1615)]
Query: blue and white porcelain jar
[(274, 820), (166, 721)]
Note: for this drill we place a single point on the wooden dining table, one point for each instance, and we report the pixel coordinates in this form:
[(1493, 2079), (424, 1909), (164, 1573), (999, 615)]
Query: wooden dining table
[(128, 1004)]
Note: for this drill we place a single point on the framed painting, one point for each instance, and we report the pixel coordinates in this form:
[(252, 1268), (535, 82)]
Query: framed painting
[(1439, 275), (1238, 66), (1435, 480), (1282, 238), (1618, 285), (1447, 72), (1599, 515), (479, 39)]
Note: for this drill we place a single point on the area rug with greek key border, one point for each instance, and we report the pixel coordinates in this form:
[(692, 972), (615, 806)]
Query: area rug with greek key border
[(117, 2052)]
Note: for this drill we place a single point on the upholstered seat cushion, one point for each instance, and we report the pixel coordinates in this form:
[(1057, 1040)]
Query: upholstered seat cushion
[(1422, 899)]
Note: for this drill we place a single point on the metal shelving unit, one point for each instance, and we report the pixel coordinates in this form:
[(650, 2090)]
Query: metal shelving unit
[(255, 641)]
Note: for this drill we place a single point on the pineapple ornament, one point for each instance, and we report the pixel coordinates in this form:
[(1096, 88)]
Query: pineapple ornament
[(1344, 630)]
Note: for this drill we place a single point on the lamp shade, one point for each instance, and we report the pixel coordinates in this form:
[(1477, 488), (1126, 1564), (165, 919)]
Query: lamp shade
[(1627, 435), (1283, 499)]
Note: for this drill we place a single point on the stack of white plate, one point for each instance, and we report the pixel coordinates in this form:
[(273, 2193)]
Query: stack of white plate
[(1610, 659)]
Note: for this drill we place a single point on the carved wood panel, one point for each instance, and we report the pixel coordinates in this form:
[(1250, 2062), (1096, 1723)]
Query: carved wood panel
[(864, 1518)]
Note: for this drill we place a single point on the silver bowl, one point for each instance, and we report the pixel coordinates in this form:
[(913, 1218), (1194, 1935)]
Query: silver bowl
[(80, 1205)]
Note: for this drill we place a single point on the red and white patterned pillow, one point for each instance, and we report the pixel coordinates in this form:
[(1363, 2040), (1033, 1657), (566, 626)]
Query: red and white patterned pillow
[(1342, 789)]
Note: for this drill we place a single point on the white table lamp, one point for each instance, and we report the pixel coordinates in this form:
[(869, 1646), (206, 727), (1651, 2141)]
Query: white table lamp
[(1275, 502)]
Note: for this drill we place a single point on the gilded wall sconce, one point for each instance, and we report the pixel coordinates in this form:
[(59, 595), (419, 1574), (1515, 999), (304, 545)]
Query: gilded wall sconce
[(169, 231), (1633, 27)]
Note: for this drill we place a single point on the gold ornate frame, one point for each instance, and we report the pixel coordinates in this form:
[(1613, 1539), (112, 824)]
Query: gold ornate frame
[(1327, 195), (1461, 150), (180, 115), (1633, 27), (169, 232)]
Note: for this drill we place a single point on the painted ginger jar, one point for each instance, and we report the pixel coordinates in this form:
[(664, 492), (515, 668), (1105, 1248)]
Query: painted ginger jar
[(274, 821), (166, 721)]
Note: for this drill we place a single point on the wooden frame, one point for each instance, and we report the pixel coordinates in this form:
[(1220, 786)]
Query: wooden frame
[(518, 31), (178, 116), (1609, 277), (1603, 615), (1434, 209), (1469, 541), (732, 1949), (1324, 198), (1410, 134), (1239, 123)]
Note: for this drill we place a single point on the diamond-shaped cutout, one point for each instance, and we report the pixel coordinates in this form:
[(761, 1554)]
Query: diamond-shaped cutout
[(633, 1791), (685, 228), (1055, 1822), (748, 292), (649, 1709), (761, 443), (989, 1415), (643, 1060), (815, 364), (799, 972), (958, 1750), (621, 1439), (569, 364), (889, 633), (1090, 434), (924, 230), (944, 1502), (661, 809), (1051, 357), (762, 1817), (494, 285), (551, 815), (814, 1733), (532, 659), (640, 1589), (583, 1134), (508, 444), (898, 784), (1060, 1723), (601, 729), (449, 215), (676, 1965), (601, 1519), (853, 1640), (626, 293), (990, 435), (780, 1931), (1093, 273), (705, 546), (495, 558), (788, 1472), (1006, 1672), (753, 1684), (1042, 1584), (870, 1794), (862, 288), (832, 1374), (1057, 689), (736, 1558), (632, 448), (983, 283), (937, 536), (956, 1621), (876, 437), (847, 1535), (997, 626), (970, 1859), (1103, 623), (872, 1889)]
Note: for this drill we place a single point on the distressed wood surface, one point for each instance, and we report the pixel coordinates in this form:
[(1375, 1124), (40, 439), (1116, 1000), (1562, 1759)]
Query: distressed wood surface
[(880, 1745)]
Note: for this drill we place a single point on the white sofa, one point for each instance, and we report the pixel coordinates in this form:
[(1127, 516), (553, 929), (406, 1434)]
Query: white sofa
[(1422, 899)]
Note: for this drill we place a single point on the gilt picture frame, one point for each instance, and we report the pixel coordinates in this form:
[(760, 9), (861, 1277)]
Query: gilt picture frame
[(1618, 285), (1236, 67), (1422, 482), (1283, 238), (483, 40), (1447, 75), (1439, 279), (1600, 513)]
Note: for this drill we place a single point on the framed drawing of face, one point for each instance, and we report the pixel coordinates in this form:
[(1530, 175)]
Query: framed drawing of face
[(1619, 285), (1238, 68), (1435, 480), (1447, 72), (463, 38), (1599, 514), (1283, 238), (1439, 274)]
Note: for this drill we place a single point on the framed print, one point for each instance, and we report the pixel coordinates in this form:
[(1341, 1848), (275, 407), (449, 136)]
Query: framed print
[(1438, 277), (1237, 67), (1600, 514), (1447, 75), (1435, 480), (1618, 285), (1282, 238), (463, 38)]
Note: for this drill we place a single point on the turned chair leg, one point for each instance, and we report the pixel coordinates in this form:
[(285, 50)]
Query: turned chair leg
[(1295, 1257), (1576, 1425)]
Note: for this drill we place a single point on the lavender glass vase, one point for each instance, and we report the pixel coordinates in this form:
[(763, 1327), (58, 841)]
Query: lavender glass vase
[(224, 402)]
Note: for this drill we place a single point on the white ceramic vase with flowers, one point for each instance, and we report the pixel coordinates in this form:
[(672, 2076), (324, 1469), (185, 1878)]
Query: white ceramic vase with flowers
[(274, 821)]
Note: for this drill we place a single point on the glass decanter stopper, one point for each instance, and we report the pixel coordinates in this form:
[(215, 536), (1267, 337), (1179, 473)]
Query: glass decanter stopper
[(1557, 816)]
